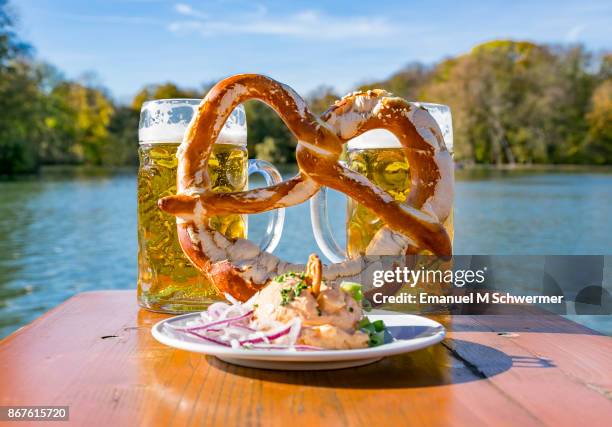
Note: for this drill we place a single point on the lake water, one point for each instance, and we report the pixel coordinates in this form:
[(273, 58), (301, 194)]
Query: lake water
[(66, 232)]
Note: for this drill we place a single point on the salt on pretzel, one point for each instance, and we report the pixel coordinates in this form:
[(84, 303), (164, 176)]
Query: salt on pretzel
[(239, 267)]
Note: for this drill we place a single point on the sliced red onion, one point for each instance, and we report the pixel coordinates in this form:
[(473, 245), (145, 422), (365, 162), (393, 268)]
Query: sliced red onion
[(228, 325), (295, 330), (217, 309), (206, 338), (268, 336), (219, 322)]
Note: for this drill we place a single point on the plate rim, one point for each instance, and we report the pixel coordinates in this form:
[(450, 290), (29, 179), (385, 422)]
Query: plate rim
[(389, 349)]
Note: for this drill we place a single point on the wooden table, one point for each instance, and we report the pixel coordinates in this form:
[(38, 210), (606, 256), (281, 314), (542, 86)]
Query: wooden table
[(96, 354)]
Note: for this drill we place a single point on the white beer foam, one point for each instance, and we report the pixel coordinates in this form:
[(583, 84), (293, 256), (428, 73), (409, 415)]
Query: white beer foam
[(166, 120), (376, 138)]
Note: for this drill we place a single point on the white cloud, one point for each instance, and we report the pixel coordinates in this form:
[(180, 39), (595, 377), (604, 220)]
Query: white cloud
[(574, 33), (308, 24), (187, 10)]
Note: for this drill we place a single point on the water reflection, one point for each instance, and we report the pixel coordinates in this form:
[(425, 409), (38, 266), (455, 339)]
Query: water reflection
[(15, 252), (61, 234)]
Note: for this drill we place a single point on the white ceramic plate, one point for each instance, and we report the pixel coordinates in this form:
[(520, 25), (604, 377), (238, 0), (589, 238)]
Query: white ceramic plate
[(408, 332)]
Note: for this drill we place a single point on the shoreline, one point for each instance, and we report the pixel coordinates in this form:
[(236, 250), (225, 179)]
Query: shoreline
[(88, 170), (533, 167)]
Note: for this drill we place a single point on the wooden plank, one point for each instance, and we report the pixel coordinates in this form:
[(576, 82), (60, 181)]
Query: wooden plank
[(95, 353), (554, 374)]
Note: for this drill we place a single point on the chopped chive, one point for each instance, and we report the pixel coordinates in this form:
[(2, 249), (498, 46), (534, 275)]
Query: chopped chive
[(363, 322), (375, 331), (379, 325), (290, 293)]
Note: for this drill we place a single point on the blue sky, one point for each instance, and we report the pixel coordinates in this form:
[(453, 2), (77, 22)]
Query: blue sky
[(129, 43)]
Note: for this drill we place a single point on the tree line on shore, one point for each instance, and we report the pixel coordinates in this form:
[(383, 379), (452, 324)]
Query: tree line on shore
[(513, 102)]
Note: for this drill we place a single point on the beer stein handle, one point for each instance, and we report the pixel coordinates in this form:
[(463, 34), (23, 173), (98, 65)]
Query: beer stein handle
[(274, 230), (322, 229)]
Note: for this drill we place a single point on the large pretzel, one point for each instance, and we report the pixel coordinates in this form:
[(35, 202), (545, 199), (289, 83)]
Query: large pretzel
[(239, 267)]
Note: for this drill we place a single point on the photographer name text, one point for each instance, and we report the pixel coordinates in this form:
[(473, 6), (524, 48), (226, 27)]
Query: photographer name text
[(473, 298)]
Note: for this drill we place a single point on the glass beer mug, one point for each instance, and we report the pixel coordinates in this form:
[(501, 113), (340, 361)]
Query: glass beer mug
[(167, 281), (378, 155)]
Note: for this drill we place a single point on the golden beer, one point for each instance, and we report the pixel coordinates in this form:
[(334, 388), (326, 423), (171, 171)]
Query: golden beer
[(387, 168), (167, 281)]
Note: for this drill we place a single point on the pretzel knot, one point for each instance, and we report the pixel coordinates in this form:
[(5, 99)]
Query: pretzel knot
[(239, 267)]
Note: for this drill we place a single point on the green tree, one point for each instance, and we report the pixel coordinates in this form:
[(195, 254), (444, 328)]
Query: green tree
[(514, 101), (599, 139), (571, 94), (21, 117), (20, 128), (269, 150), (122, 148), (262, 123), (406, 83), (320, 99), (163, 91), (80, 117)]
